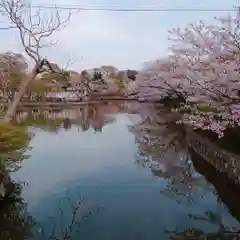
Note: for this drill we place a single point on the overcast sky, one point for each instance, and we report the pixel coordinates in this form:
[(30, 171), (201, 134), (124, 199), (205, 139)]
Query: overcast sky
[(122, 39)]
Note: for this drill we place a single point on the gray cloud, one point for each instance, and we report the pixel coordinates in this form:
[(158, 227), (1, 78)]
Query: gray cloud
[(116, 38)]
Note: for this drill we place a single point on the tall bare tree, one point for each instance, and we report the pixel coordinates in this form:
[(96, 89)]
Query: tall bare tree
[(34, 29)]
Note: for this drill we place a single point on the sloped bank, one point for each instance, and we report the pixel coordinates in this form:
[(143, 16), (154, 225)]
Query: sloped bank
[(221, 152), (227, 190), (226, 162)]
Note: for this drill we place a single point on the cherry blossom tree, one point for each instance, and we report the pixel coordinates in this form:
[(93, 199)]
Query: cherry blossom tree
[(158, 79), (212, 53), (203, 68)]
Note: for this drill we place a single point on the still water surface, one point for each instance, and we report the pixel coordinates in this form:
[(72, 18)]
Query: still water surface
[(91, 183)]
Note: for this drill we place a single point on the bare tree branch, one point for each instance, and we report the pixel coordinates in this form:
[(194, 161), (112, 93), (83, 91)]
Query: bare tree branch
[(34, 29), (33, 26)]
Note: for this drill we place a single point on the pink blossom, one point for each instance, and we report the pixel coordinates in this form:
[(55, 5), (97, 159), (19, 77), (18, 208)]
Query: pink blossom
[(203, 66)]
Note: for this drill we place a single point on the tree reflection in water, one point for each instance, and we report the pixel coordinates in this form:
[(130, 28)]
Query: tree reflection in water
[(67, 124), (162, 146), (66, 222), (15, 221), (222, 231), (225, 189), (87, 116)]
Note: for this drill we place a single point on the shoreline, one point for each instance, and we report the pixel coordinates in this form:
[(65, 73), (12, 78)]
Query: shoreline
[(80, 103)]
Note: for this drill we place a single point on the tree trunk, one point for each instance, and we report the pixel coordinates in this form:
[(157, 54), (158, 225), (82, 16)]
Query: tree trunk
[(18, 96)]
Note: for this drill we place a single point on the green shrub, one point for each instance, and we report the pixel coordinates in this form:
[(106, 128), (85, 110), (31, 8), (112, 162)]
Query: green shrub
[(12, 137), (118, 80), (14, 142), (207, 107)]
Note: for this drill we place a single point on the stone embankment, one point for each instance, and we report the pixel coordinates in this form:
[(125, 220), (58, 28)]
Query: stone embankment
[(223, 161)]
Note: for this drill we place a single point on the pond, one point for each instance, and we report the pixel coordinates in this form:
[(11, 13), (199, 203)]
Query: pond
[(90, 179)]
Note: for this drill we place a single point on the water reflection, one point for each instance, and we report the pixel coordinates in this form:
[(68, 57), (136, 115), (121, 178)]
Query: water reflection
[(15, 221), (66, 223), (86, 116), (222, 232), (191, 191), (224, 188), (163, 148), (160, 137), (227, 195)]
